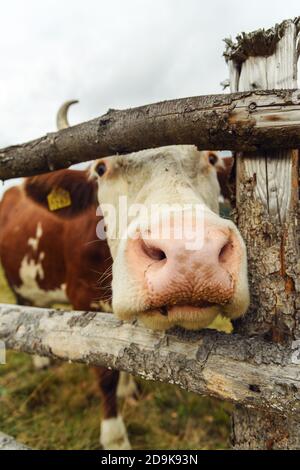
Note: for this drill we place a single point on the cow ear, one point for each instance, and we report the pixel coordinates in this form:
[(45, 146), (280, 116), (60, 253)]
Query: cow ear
[(65, 193), (223, 174)]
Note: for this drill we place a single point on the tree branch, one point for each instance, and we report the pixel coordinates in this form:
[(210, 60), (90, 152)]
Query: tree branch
[(238, 121), (247, 371)]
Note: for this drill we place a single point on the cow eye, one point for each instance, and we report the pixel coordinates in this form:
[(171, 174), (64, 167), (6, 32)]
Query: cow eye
[(101, 168), (213, 159)]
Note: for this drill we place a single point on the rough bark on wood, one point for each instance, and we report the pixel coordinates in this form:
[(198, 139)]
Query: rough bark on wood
[(269, 431), (9, 443), (248, 371), (267, 215), (240, 121)]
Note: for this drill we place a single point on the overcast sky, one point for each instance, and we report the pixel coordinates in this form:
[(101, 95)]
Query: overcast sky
[(115, 53)]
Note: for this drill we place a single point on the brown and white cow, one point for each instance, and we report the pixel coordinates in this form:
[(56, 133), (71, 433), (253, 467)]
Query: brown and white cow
[(54, 256), (58, 259)]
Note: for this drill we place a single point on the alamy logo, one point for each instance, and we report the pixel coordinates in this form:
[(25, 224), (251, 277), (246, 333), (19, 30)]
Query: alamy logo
[(296, 352), (2, 353), (164, 221)]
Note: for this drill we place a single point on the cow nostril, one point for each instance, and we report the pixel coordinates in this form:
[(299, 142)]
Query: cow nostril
[(153, 252), (226, 252)]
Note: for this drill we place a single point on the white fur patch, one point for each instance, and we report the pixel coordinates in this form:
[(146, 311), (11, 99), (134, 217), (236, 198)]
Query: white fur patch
[(113, 434), (40, 362), (34, 242), (126, 386), (30, 270)]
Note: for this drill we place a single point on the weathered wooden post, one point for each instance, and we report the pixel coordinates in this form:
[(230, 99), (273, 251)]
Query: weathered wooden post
[(267, 212)]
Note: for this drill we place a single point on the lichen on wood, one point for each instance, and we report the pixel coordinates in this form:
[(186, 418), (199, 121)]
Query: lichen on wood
[(259, 43)]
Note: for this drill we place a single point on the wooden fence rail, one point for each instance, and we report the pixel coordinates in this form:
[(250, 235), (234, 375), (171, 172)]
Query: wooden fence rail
[(238, 121), (247, 371)]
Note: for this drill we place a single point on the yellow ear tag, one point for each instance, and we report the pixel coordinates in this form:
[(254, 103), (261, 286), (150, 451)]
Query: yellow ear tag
[(58, 198)]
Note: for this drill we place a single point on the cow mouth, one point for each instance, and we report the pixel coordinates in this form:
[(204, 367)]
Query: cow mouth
[(191, 316), (181, 309)]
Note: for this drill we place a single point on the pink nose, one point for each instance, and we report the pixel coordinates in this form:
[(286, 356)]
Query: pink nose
[(174, 273)]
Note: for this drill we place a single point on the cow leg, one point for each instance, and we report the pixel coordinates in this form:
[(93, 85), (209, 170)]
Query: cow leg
[(113, 434), (127, 386), (40, 362)]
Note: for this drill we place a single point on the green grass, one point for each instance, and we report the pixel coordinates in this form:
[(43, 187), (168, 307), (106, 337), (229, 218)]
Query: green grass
[(60, 408), (6, 295)]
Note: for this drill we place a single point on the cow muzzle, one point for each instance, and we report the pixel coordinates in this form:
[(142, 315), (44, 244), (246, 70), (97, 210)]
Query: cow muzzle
[(189, 277)]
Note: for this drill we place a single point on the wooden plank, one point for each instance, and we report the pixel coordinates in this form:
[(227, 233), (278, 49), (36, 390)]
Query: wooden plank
[(239, 121), (247, 371), (267, 208), (267, 215), (9, 443)]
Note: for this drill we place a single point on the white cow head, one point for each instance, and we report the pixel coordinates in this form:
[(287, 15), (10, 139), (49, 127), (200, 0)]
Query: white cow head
[(192, 274)]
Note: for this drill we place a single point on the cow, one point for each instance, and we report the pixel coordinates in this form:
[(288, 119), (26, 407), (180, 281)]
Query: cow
[(163, 282), (49, 259)]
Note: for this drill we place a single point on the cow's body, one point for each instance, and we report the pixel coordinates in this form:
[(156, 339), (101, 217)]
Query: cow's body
[(49, 259)]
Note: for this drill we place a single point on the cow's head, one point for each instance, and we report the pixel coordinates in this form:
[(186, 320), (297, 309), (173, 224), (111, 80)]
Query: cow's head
[(176, 262)]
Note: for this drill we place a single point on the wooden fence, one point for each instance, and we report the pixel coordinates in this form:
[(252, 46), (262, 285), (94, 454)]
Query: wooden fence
[(257, 367)]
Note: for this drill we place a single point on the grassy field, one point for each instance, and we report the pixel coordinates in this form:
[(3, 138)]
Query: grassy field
[(60, 408)]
